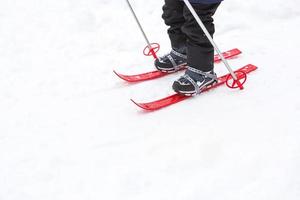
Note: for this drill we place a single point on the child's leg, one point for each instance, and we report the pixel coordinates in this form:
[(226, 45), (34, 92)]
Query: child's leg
[(173, 17), (199, 50), (200, 53)]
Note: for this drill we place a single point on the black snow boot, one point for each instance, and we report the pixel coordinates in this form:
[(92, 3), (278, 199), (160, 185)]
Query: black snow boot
[(171, 62), (194, 82)]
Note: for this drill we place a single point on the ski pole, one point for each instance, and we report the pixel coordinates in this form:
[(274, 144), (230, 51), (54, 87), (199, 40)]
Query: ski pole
[(151, 47), (233, 75)]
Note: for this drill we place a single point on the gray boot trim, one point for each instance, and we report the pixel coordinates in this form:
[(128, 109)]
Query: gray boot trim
[(179, 54), (172, 61), (205, 74)]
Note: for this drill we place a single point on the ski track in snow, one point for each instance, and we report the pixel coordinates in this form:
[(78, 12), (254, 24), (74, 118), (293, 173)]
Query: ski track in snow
[(69, 131)]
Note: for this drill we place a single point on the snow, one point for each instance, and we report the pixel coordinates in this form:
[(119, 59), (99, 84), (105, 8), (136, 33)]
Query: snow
[(69, 131)]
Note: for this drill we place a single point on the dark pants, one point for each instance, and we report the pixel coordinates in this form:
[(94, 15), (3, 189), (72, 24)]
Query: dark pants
[(185, 33)]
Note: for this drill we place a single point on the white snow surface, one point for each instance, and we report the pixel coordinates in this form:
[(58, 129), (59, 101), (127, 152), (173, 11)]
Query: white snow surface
[(69, 131)]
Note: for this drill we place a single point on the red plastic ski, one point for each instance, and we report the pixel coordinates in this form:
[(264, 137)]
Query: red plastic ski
[(175, 98), (157, 74)]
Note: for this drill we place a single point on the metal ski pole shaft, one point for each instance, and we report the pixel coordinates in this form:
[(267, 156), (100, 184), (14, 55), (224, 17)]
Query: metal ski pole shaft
[(138, 22), (149, 45), (197, 18)]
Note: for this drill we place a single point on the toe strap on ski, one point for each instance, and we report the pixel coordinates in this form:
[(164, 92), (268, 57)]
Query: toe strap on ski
[(188, 78), (151, 50), (239, 82), (171, 59), (205, 74), (176, 65)]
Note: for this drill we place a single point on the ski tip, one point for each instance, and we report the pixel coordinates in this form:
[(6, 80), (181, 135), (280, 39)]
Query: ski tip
[(138, 104), (141, 105), (118, 74), (124, 77)]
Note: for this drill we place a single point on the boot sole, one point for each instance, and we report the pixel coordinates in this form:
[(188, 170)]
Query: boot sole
[(194, 93), (178, 68)]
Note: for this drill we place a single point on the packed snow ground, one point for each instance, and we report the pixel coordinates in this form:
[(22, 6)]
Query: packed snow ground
[(69, 131)]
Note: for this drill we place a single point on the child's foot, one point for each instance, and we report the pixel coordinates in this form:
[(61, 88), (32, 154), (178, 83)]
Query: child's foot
[(194, 82), (171, 62)]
